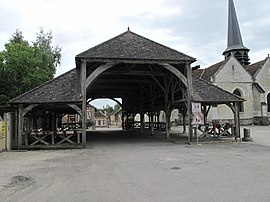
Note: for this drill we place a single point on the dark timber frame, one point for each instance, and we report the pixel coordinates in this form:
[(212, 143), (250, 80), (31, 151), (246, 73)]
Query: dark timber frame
[(145, 88), (147, 76)]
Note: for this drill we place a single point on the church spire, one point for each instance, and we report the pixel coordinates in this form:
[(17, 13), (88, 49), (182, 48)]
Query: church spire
[(235, 44)]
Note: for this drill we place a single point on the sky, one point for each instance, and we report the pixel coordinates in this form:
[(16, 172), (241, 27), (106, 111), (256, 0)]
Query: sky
[(195, 27)]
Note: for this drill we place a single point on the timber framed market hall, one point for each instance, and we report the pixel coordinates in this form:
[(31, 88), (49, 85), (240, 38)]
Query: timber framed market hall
[(147, 76)]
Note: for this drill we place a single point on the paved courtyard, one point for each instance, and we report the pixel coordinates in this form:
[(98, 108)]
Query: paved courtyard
[(117, 166)]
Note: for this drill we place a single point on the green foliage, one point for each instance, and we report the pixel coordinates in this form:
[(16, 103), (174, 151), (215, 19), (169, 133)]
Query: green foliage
[(108, 110), (24, 66), (116, 107)]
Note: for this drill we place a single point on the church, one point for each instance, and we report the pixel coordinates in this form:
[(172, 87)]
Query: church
[(238, 75)]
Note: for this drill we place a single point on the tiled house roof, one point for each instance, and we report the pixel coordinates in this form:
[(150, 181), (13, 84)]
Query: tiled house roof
[(254, 68), (210, 71)]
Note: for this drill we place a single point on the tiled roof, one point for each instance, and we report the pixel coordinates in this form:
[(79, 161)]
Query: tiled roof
[(65, 88), (99, 114), (198, 72), (210, 71), (206, 92), (131, 46), (254, 68)]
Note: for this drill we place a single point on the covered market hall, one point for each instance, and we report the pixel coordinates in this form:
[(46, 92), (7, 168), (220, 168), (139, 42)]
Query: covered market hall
[(147, 76)]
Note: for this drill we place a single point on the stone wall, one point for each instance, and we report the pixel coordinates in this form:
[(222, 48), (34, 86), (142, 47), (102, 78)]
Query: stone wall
[(2, 137)]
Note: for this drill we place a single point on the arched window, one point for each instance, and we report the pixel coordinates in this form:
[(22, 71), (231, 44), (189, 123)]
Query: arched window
[(268, 102), (237, 92)]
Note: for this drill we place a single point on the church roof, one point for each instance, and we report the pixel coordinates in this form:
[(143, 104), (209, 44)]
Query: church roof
[(131, 46), (255, 67), (62, 89), (207, 73), (206, 92)]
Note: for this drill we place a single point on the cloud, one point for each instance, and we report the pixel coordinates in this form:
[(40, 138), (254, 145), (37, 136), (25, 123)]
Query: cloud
[(197, 28)]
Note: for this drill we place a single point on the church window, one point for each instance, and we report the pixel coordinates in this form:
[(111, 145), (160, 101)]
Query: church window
[(268, 102), (237, 92)]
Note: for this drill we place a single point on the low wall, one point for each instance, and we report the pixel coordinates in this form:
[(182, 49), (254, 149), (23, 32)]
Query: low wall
[(262, 121), (2, 139)]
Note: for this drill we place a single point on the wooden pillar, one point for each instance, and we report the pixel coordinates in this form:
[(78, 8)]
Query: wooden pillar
[(167, 108), (20, 126), (237, 121), (158, 121), (183, 111), (205, 111), (127, 123), (142, 121), (93, 118), (84, 101), (123, 120), (141, 112), (151, 119), (189, 94)]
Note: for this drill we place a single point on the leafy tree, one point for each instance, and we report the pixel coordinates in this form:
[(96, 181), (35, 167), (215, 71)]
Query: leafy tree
[(24, 66), (116, 107), (108, 110)]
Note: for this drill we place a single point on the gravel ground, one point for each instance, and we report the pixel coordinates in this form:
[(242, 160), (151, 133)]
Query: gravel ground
[(120, 167)]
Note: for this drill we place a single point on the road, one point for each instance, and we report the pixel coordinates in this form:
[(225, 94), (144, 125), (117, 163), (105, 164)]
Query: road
[(121, 167)]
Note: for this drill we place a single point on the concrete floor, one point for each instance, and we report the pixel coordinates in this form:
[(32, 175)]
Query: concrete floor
[(117, 166)]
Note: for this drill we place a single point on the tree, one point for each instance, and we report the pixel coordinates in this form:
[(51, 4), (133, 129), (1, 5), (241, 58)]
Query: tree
[(24, 66), (116, 107), (109, 110)]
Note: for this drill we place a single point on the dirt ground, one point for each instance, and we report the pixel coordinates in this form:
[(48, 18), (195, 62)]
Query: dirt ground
[(118, 166)]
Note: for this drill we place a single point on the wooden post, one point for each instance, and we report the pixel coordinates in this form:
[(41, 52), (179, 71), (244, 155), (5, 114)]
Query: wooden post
[(237, 121), (93, 118), (20, 126), (123, 120), (84, 101), (152, 122), (142, 121), (158, 121), (189, 94), (167, 108)]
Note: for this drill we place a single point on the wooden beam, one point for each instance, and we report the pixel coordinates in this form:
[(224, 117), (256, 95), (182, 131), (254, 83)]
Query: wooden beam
[(178, 101), (135, 73), (77, 109), (138, 61), (160, 85), (176, 72), (91, 78), (27, 109)]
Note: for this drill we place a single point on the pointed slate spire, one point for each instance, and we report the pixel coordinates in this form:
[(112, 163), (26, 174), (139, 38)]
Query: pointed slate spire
[(235, 44)]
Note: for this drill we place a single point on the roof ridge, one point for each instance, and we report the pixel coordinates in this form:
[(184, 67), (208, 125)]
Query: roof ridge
[(130, 45), (161, 44)]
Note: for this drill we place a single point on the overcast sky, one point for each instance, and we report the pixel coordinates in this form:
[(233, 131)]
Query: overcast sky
[(195, 27)]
